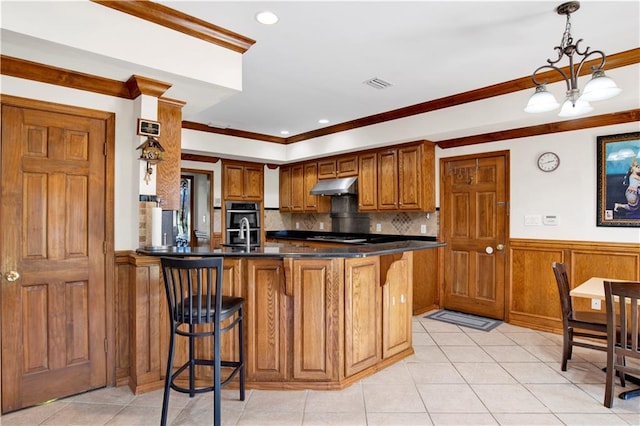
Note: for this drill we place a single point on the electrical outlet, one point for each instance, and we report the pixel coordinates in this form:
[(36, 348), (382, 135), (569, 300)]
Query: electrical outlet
[(321, 226), (423, 229), (297, 225), (378, 227), (596, 304)]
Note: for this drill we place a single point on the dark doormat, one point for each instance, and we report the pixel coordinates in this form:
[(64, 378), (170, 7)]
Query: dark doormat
[(465, 320)]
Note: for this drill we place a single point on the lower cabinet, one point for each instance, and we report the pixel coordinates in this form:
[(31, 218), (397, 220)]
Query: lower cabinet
[(396, 304), (362, 314), (266, 321)]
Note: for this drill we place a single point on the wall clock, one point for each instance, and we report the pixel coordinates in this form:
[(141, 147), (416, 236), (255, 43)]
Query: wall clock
[(548, 161)]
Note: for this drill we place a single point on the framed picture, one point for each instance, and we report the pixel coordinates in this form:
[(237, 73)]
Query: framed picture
[(619, 180)]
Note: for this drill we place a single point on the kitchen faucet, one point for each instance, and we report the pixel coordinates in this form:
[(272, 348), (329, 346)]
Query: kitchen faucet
[(245, 232)]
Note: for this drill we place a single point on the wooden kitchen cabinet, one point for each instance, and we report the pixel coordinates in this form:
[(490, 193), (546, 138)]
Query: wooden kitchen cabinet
[(327, 169), (285, 188), (318, 291), (397, 305), (388, 179), (362, 314), (347, 166), (297, 188), (168, 170), (267, 325), (416, 177), (242, 181), (368, 182), (296, 182)]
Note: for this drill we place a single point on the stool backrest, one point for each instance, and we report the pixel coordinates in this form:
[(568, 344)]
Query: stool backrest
[(194, 289)]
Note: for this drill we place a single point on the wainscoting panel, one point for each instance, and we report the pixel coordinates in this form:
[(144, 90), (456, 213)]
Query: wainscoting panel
[(533, 299)]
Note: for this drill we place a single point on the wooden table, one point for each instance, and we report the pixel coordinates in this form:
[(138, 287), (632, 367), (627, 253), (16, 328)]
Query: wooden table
[(593, 288)]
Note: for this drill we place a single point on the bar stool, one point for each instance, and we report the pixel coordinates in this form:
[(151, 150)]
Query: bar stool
[(194, 295)]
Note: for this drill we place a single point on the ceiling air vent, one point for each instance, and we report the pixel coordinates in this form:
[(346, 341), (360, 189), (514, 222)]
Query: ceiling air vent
[(377, 83)]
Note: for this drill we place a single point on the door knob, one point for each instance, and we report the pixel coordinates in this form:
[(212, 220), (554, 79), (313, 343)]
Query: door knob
[(12, 276), (500, 247)]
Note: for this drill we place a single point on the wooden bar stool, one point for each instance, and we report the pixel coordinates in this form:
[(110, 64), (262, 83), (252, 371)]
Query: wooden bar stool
[(194, 295)]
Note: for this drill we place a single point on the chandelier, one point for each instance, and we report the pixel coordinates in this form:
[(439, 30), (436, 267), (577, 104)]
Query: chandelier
[(599, 88)]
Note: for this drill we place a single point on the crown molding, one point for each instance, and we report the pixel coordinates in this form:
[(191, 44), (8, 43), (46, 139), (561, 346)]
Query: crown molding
[(181, 22)]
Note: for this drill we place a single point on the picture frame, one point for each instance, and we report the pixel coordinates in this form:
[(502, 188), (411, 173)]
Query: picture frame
[(148, 128), (618, 197)]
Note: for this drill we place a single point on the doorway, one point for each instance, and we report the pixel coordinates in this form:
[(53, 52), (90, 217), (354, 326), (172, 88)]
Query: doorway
[(474, 200), (57, 219), (195, 216)]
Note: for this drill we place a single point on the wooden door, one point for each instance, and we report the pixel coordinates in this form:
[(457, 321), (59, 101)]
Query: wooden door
[(53, 235), (475, 228), (367, 182), (388, 180)]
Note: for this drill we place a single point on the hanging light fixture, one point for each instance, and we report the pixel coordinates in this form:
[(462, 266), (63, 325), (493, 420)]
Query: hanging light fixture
[(599, 88)]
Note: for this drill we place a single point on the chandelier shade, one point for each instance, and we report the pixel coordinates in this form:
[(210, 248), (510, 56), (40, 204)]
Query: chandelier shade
[(599, 88)]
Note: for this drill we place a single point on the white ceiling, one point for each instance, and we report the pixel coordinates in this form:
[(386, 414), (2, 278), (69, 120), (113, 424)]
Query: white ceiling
[(313, 62)]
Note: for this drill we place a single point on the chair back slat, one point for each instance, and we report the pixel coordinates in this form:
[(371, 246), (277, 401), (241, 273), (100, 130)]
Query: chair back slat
[(623, 297), (562, 279)]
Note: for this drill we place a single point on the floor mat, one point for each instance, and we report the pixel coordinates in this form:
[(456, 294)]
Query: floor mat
[(465, 320)]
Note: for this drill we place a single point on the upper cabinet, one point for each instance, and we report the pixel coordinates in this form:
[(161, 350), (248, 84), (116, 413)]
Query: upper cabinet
[(168, 170), (400, 178), (242, 181), (296, 181)]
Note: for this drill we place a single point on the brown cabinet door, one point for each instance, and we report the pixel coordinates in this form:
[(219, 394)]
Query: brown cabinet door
[(388, 179), (254, 182), (310, 179), (285, 188), (267, 322), (367, 182), (168, 170), (317, 293), (397, 305), (362, 314), (410, 178), (53, 236), (326, 169), (233, 181), (347, 166), (297, 188)]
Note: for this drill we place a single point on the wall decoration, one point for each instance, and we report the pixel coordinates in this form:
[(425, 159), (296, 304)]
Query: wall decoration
[(619, 180)]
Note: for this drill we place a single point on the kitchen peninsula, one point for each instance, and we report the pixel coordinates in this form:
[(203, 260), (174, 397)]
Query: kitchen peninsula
[(315, 317)]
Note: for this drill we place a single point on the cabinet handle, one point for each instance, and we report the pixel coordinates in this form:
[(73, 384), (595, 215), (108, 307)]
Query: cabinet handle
[(402, 299)]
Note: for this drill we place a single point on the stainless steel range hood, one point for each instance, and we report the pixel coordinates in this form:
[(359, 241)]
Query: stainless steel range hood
[(335, 186)]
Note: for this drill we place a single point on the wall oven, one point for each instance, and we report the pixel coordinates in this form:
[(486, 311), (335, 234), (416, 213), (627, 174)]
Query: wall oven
[(235, 211)]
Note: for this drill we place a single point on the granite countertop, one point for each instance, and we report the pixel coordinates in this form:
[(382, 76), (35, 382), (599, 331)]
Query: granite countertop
[(344, 237), (279, 250)]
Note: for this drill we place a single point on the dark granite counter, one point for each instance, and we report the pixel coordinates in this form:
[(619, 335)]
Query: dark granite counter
[(279, 250), (344, 237)]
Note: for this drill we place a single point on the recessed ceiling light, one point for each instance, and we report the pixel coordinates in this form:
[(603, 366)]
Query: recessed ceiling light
[(323, 121), (284, 132), (266, 17)]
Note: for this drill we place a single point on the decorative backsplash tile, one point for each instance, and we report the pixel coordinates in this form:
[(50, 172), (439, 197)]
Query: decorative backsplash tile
[(401, 222)]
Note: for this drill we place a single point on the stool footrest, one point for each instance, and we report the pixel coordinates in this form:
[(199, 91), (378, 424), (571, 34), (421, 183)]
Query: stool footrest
[(236, 365)]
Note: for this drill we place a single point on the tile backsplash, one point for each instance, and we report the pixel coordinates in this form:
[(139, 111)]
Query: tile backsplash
[(399, 223)]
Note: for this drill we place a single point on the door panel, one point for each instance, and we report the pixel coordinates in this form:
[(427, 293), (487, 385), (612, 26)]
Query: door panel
[(474, 226), (53, 173)]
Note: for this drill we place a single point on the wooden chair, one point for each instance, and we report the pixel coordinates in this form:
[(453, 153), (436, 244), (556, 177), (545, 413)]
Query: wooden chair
[(196, 310), (622, 332), (591, 325)]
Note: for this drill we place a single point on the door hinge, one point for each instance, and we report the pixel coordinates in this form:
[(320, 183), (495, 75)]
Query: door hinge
[(105, 149), (104, 247), (106, 345)]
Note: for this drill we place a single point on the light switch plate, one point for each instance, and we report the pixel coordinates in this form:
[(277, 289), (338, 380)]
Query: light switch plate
[(423, 229), (378, 227)]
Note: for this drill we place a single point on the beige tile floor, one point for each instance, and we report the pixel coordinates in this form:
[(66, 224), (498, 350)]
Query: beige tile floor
[(458, 376)]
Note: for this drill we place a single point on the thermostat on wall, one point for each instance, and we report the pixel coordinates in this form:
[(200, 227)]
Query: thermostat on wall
[(551, 220)]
